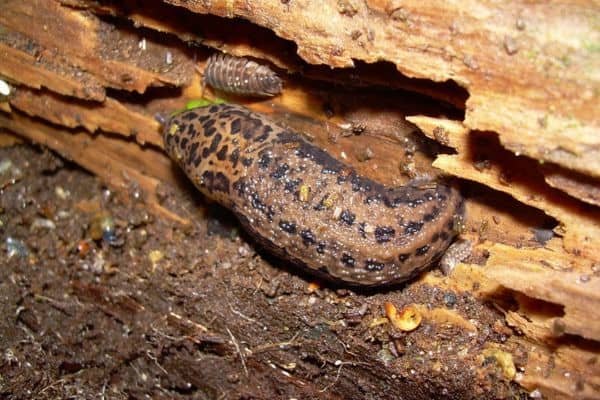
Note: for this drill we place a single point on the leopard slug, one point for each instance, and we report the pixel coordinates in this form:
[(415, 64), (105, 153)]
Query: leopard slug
[(241, 76), (307, 207)]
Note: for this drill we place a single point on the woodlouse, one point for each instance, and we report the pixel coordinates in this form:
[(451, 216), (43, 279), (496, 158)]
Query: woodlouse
[(241, 76)]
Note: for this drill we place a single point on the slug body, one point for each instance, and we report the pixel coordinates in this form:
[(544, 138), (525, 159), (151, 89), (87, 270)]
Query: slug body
[(307, 207), (240, 76)]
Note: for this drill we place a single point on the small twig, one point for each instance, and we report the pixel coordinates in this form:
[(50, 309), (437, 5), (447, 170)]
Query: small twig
[(239, 313), (189, 322), (345, 346), (153, 358), (61, 380), (52, 385), (340, 363), (337, 376), (268, 346), (237, 348), (59, 305)]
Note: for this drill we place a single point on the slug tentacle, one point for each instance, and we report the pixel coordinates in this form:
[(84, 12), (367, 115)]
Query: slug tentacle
[(306, 206)]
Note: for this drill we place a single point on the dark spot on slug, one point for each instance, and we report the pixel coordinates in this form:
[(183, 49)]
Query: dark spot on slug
[(191, 131), (210, 131), (251, 127), (215, 143), (413, 227), (321, 247), (189, 116), (267, 129), (341, 179), (372, 265), (348, 260), (420, 200), (264, 160), (221, 182), (262, 137), (287, 226), (240, 187), (168, 139), (308, 237), (372, 199), (321, 204), (347, 217), (193, 151), (209, 123), (234, 156), (431, 215), (215, 182), (421, 251), (403, 257), (236, 125), (222, 154), (280, 171), (257, 203), (384, 234), (247, 161), (329, 171), (361, 229), (292, 185)]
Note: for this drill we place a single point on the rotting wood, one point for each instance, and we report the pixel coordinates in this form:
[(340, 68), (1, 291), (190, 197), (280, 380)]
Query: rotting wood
[(482, 160), (452, 133), (550, 369), (580, 186), (21, 67), (108, 116), (247, 39), (116, 57), (9, 139), (121, 173), (528, 68), (553, 277)]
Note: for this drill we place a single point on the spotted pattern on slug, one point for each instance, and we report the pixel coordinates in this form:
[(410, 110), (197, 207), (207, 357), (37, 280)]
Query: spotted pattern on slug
[(307, 207)]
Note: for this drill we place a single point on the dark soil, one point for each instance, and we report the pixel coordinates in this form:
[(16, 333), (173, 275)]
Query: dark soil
[(101, 299)]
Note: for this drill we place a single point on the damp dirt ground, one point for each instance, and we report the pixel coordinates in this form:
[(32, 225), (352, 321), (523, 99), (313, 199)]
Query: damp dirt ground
[(100, 299)]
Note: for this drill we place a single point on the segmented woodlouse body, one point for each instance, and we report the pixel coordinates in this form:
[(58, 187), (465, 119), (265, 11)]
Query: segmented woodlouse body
[(241, 76)]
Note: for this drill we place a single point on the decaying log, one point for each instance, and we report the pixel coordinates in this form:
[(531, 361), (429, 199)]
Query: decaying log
[(509, 89), (497, 51)]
